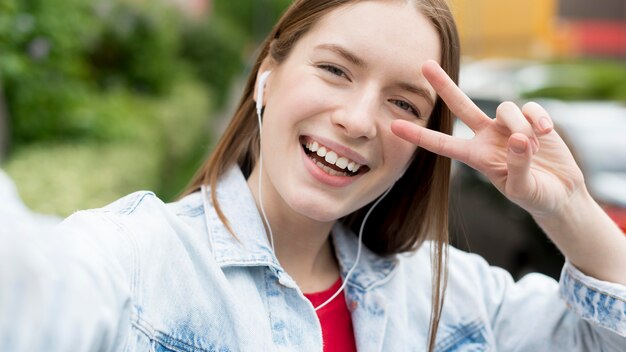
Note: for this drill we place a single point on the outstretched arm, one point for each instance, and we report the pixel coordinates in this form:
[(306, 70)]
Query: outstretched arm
[(522, 155)]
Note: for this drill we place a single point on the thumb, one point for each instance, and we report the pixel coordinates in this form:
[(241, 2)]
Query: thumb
[(519, 182)]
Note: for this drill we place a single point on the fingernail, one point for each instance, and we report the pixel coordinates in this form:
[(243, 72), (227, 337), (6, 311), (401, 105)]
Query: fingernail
[(518, 146), (545, 124)]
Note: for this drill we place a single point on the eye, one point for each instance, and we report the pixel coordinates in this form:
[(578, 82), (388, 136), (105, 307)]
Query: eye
[(334, 70), (406, 106)]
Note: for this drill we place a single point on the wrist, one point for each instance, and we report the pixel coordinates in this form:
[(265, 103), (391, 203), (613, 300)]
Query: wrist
[(577, 207), (590, 240)]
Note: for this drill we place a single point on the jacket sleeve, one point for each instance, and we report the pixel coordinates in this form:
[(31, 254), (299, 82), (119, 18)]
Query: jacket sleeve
[(537, 314), (64, 288)]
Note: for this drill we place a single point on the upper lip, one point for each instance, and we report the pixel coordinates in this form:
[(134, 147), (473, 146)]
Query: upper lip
[(340, 149)]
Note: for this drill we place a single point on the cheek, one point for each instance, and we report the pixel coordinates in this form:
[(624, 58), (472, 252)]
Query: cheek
[(299, 96), (398, 152)]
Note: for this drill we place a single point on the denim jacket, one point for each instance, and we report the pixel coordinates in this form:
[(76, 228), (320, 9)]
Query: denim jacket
[(141, 275)]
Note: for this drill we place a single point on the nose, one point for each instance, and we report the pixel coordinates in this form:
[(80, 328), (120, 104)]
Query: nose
[(357, 116)]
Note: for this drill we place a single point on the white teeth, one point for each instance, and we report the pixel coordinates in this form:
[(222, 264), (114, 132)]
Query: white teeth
[(329, 170), (331, 157), (341, 163)]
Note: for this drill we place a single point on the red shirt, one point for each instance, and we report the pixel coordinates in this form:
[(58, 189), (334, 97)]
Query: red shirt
[(335, 320)]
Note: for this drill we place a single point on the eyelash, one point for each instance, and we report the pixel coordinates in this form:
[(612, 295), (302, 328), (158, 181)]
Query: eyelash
[(408, 107), (336, 71)]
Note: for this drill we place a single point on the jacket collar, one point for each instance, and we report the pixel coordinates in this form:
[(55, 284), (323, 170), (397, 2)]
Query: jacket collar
[(371, 270), (250, 245)]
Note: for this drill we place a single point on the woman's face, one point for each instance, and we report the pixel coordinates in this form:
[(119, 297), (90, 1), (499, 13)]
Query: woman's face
[(327, 144)]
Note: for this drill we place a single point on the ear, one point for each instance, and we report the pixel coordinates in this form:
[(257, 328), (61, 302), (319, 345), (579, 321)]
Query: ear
[(266, 65)]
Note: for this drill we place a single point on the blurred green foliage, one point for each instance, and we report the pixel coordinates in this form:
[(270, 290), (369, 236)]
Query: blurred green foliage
[(159, 149), (214, 51), (107, 97), (583, 80), (253, 18), (59, 55), (217, 48), (137, 47)]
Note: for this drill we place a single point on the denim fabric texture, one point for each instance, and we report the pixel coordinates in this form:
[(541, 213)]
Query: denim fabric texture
[(141, 275)]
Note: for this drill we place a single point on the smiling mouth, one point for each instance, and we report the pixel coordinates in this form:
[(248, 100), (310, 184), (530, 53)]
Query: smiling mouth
[(330, 161)]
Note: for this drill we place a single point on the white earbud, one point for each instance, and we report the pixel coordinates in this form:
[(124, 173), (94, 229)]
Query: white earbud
[(260, 89)]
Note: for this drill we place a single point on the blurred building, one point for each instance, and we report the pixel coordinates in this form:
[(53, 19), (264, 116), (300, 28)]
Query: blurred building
[(598, 28), (542, 28)]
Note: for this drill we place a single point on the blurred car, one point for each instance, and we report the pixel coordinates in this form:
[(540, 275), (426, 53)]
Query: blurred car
[(483, 221)]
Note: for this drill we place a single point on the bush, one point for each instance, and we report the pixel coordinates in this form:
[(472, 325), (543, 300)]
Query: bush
[(137, 48), (59, 55), (158, 141), (214, 51), (62, 178), (40, 66)]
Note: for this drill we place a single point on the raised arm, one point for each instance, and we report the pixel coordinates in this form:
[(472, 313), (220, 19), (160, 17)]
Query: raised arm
[(522, 155), (60, 290)]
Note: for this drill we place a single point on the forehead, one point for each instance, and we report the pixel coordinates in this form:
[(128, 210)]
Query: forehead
[(387, 32)]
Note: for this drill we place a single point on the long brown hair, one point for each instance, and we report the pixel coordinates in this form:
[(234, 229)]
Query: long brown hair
[(416, 209)]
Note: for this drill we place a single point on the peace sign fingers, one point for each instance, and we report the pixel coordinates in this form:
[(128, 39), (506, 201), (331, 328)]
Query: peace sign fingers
[(434, 141), (459, 103)]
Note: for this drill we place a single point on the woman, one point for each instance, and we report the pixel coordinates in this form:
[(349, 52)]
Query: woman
[(264, 252)]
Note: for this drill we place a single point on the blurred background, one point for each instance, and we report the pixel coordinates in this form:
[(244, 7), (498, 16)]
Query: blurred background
[(570, 56), (99, 98)]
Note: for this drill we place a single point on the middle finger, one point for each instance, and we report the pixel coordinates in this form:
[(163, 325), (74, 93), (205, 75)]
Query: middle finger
[(511, 117)]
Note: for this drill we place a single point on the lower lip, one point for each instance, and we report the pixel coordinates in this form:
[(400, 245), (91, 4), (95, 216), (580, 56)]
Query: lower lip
[(321, 176)]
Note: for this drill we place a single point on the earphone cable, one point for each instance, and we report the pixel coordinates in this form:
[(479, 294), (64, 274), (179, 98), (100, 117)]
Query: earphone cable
[(358, 252), (267, 222)]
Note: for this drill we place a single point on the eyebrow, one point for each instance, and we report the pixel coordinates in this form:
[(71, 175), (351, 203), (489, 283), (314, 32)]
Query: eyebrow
[(354, 59), (345, 53), (422, 92)]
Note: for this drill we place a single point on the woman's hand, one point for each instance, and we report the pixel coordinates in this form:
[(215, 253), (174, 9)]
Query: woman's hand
[(529, 163), (518, 151)]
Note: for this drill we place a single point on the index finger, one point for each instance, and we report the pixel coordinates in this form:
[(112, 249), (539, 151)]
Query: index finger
[(434, 141), (459, 103)]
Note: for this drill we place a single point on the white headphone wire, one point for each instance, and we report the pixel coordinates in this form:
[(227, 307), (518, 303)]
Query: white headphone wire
[(267, 222), (358, 251)]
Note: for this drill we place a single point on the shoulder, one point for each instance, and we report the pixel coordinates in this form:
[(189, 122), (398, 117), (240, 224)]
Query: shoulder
[(139, 220), (111, 231), (468, 272), (130, 205), (142, 207), (460, 263), (457, 261), (114, 219), (138, 230)]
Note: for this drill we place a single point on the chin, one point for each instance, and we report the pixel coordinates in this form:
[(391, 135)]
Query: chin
[(319, 210)]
